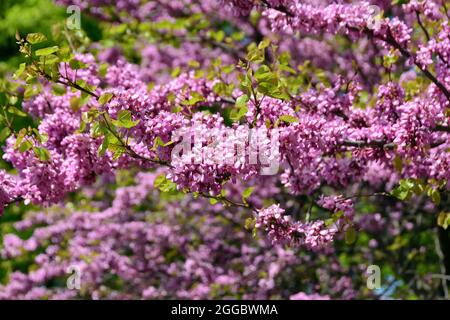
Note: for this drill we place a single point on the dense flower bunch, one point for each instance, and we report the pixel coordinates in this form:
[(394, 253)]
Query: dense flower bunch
[(336, 103), (313, 235)]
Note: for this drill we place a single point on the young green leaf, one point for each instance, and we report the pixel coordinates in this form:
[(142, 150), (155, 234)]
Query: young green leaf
[(105, 98), (47, 51), (247, 193), (41, 153), (35, 38), (288, 118), (17, 112), (350, 235), (4, 133), (124, 120), (25, 146)]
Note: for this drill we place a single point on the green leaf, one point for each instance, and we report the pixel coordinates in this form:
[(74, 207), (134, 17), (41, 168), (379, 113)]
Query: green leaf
[(77, 64), (103, 69), (400, 193), (236, 115), (175, 72), (264, 44), (42, 138), (46, 51), (242, 101), (195, 98), (264, 74), (13, 100), (193, 64), (249, 222), (435, 196), (3, 99), (41, 153), (255, 55), (117, 149), (159, 180), (166, 185), (65, 54), (124, 120), (4, 133), (219, 35), (350, 235), (288, 118), (329, 222), (104, 146), (75, 104), (35, 38), (21, 69), (105, 98), (247, 193), (20, 137), (398, 163), (228, 69), (399, 2), (59, 90), (443, 220), (30, 91), (82, 127), (49, 60), (406, 188), (25, 146), (241, 104), (158, 142), (17, 112)]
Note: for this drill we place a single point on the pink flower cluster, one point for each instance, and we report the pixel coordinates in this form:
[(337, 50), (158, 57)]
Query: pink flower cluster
[(281, 229), (122, 252)]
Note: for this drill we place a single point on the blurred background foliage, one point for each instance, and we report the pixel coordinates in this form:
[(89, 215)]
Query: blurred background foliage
[(27, 16)]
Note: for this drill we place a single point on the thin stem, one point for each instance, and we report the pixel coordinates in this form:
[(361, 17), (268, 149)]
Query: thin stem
[(374, 144), (391, 40), (446, 10), (131, 152), (228, 201), (425, 31), (376, 194), (441, 257), (442, 128)]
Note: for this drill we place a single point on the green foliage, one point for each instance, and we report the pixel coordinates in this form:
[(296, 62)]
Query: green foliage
[(241, 108), (247, 193), (42, 20), (105, 98), (350, 235), (124, 120), (164, 184), (37, 16), (444, 220), (409, 187)]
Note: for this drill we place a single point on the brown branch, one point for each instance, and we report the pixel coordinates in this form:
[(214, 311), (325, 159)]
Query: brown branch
[(382, 144), (425, 31), (228, 201), (391, 41), (442, 128), (374, 144)]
